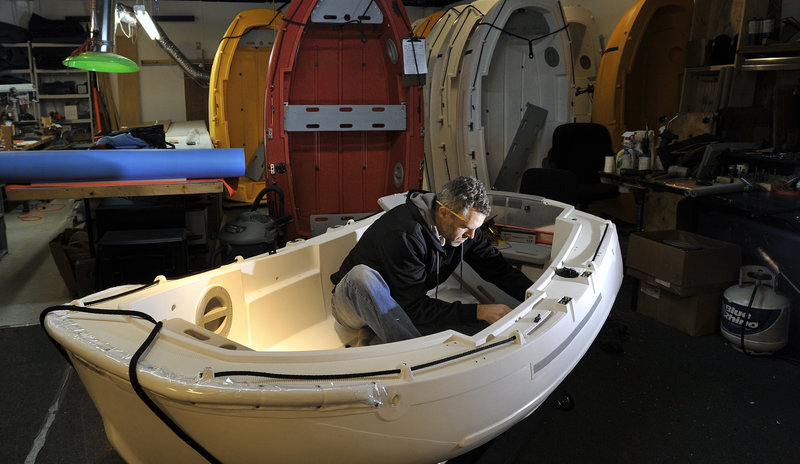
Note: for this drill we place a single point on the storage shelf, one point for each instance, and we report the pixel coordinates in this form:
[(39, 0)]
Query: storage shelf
[(708, 69), (791, 47), (66, 96), (45, 103), (773, 57), (23, 87), (59, 71), (54, 45)]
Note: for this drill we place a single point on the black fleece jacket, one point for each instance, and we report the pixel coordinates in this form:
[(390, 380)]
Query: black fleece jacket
[(404, 248)]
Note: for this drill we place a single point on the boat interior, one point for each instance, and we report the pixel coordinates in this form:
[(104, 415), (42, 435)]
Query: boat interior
[(281, 302)]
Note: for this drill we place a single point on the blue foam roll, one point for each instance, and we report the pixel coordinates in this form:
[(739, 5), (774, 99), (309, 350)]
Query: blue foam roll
[(23, 167)]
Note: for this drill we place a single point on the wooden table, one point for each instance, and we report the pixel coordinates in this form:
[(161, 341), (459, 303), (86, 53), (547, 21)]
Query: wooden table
[(32, 144)]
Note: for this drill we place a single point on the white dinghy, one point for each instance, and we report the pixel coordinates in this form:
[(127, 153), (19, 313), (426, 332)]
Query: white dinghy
[(453, 31), (245, 363), (437, 169), (516, 86)]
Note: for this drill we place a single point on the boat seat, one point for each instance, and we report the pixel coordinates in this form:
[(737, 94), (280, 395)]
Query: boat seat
[(202, 334)]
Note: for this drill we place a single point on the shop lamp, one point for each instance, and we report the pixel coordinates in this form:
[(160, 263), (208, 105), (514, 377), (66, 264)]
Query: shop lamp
[(101, 62), (95, 54)]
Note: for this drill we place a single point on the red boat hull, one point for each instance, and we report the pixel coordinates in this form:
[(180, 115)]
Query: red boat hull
[(332, 71)]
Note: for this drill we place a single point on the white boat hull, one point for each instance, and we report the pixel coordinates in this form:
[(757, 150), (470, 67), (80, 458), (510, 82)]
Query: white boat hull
[(586, 50), (502, 74), (277, 383)]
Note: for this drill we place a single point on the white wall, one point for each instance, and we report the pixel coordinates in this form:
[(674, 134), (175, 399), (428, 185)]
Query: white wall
[(161, 86)]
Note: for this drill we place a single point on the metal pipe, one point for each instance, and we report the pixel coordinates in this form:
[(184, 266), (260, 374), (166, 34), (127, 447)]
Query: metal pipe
[(102, 26)]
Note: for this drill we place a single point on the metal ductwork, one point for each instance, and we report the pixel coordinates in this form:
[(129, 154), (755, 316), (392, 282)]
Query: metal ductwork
[(196, 73), (102, 26)]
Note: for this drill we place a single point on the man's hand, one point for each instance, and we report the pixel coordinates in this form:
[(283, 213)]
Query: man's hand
[(491, 313)]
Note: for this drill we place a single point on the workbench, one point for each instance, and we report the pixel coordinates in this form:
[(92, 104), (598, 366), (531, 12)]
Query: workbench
[(88, 191)]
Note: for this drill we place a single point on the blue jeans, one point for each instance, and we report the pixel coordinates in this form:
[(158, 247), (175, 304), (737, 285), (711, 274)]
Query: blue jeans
[(363, 298)]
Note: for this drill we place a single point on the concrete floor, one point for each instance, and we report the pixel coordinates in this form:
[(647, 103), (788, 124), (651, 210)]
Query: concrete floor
[(29, 279), (644, 393)]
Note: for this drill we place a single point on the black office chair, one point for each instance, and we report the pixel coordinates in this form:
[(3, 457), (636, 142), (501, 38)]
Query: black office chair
[(579, 148), (553, 183)]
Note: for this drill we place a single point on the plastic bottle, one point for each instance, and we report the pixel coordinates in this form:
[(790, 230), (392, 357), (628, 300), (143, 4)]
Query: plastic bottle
[(625, 156), (642, 157)]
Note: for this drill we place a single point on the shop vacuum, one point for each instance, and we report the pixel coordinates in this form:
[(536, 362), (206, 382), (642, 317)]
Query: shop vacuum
[(253, 233)]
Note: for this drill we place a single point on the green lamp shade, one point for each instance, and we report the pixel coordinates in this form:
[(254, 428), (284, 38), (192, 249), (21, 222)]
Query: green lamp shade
[(102, 62)]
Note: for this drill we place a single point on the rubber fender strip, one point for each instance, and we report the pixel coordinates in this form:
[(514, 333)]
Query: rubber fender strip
[(605, 231), (464, 354), (357, 375), (128, 292), (132, 367)]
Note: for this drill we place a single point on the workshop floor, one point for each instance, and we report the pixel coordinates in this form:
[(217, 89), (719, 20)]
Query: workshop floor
[(644, 393)]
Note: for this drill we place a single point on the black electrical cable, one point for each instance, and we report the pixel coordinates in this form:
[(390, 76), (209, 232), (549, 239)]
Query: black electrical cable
[(280, 44), (132, 374), (274, 17), (137, 387), (132, 368), (120, 312)]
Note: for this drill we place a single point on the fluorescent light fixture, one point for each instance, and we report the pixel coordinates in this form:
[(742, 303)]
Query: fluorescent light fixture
[(146, 21)]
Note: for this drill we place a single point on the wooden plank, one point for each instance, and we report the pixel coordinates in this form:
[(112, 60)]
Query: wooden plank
[(129, 106), (112, 190)]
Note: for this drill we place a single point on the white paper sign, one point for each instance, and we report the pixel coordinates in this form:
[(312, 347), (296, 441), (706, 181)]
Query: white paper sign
[(414, 56)]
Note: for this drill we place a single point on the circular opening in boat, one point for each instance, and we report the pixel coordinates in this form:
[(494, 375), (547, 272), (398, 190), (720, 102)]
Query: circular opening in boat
[(585, 62), (395, 400), (399, 175), (551, 57), (215, 311), (391, 49)]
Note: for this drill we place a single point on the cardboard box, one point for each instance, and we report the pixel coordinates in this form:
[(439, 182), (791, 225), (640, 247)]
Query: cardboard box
[(682, 262), (69, 248), (695, 315), (70, 112)]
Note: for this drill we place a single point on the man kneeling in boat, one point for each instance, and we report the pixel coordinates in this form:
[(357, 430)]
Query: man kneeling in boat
[(384, 280)]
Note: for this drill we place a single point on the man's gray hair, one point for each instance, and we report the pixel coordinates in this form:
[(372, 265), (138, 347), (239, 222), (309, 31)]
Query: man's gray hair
[(463, 193)]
